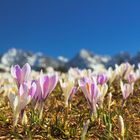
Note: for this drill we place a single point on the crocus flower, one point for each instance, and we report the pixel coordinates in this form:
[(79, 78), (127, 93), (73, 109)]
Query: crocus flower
[(91, 93), (21, 75), (103, 91), (126, 89), (124, 69), (18, 101), (131, 78), (74, 72), (101, 79), (69, 89), (45, 85), (102, 86), (78, 73), (111, 74)]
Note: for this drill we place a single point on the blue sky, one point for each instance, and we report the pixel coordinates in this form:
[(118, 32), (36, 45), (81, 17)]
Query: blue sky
[(63, 27)]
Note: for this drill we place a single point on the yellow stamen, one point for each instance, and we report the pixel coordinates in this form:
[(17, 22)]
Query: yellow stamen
[(13, 90), (87, 87)]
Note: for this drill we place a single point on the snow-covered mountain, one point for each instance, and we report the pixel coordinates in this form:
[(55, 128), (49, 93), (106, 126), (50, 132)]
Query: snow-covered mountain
[(37, 60), (83, 59)]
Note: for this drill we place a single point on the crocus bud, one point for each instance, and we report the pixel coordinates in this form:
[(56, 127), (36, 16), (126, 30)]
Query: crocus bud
[(103, 91), (126, 89), (111, 74), (121, 124), (69, 89)]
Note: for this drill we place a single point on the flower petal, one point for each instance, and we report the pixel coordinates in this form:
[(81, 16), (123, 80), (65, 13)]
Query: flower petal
[(32, 90), (26, 70), (16, 73), (44, 84), (52, 84)]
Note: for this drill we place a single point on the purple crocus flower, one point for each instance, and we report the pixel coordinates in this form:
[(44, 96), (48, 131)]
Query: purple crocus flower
[(91, 93), (21, 75), (101, 78), (18, 101), (45, 85)]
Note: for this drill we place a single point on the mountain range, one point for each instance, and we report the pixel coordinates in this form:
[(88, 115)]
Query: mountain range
[(83, 59)]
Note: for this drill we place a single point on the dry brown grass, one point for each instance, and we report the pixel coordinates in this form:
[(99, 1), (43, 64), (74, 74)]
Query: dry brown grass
[(66, 123)]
